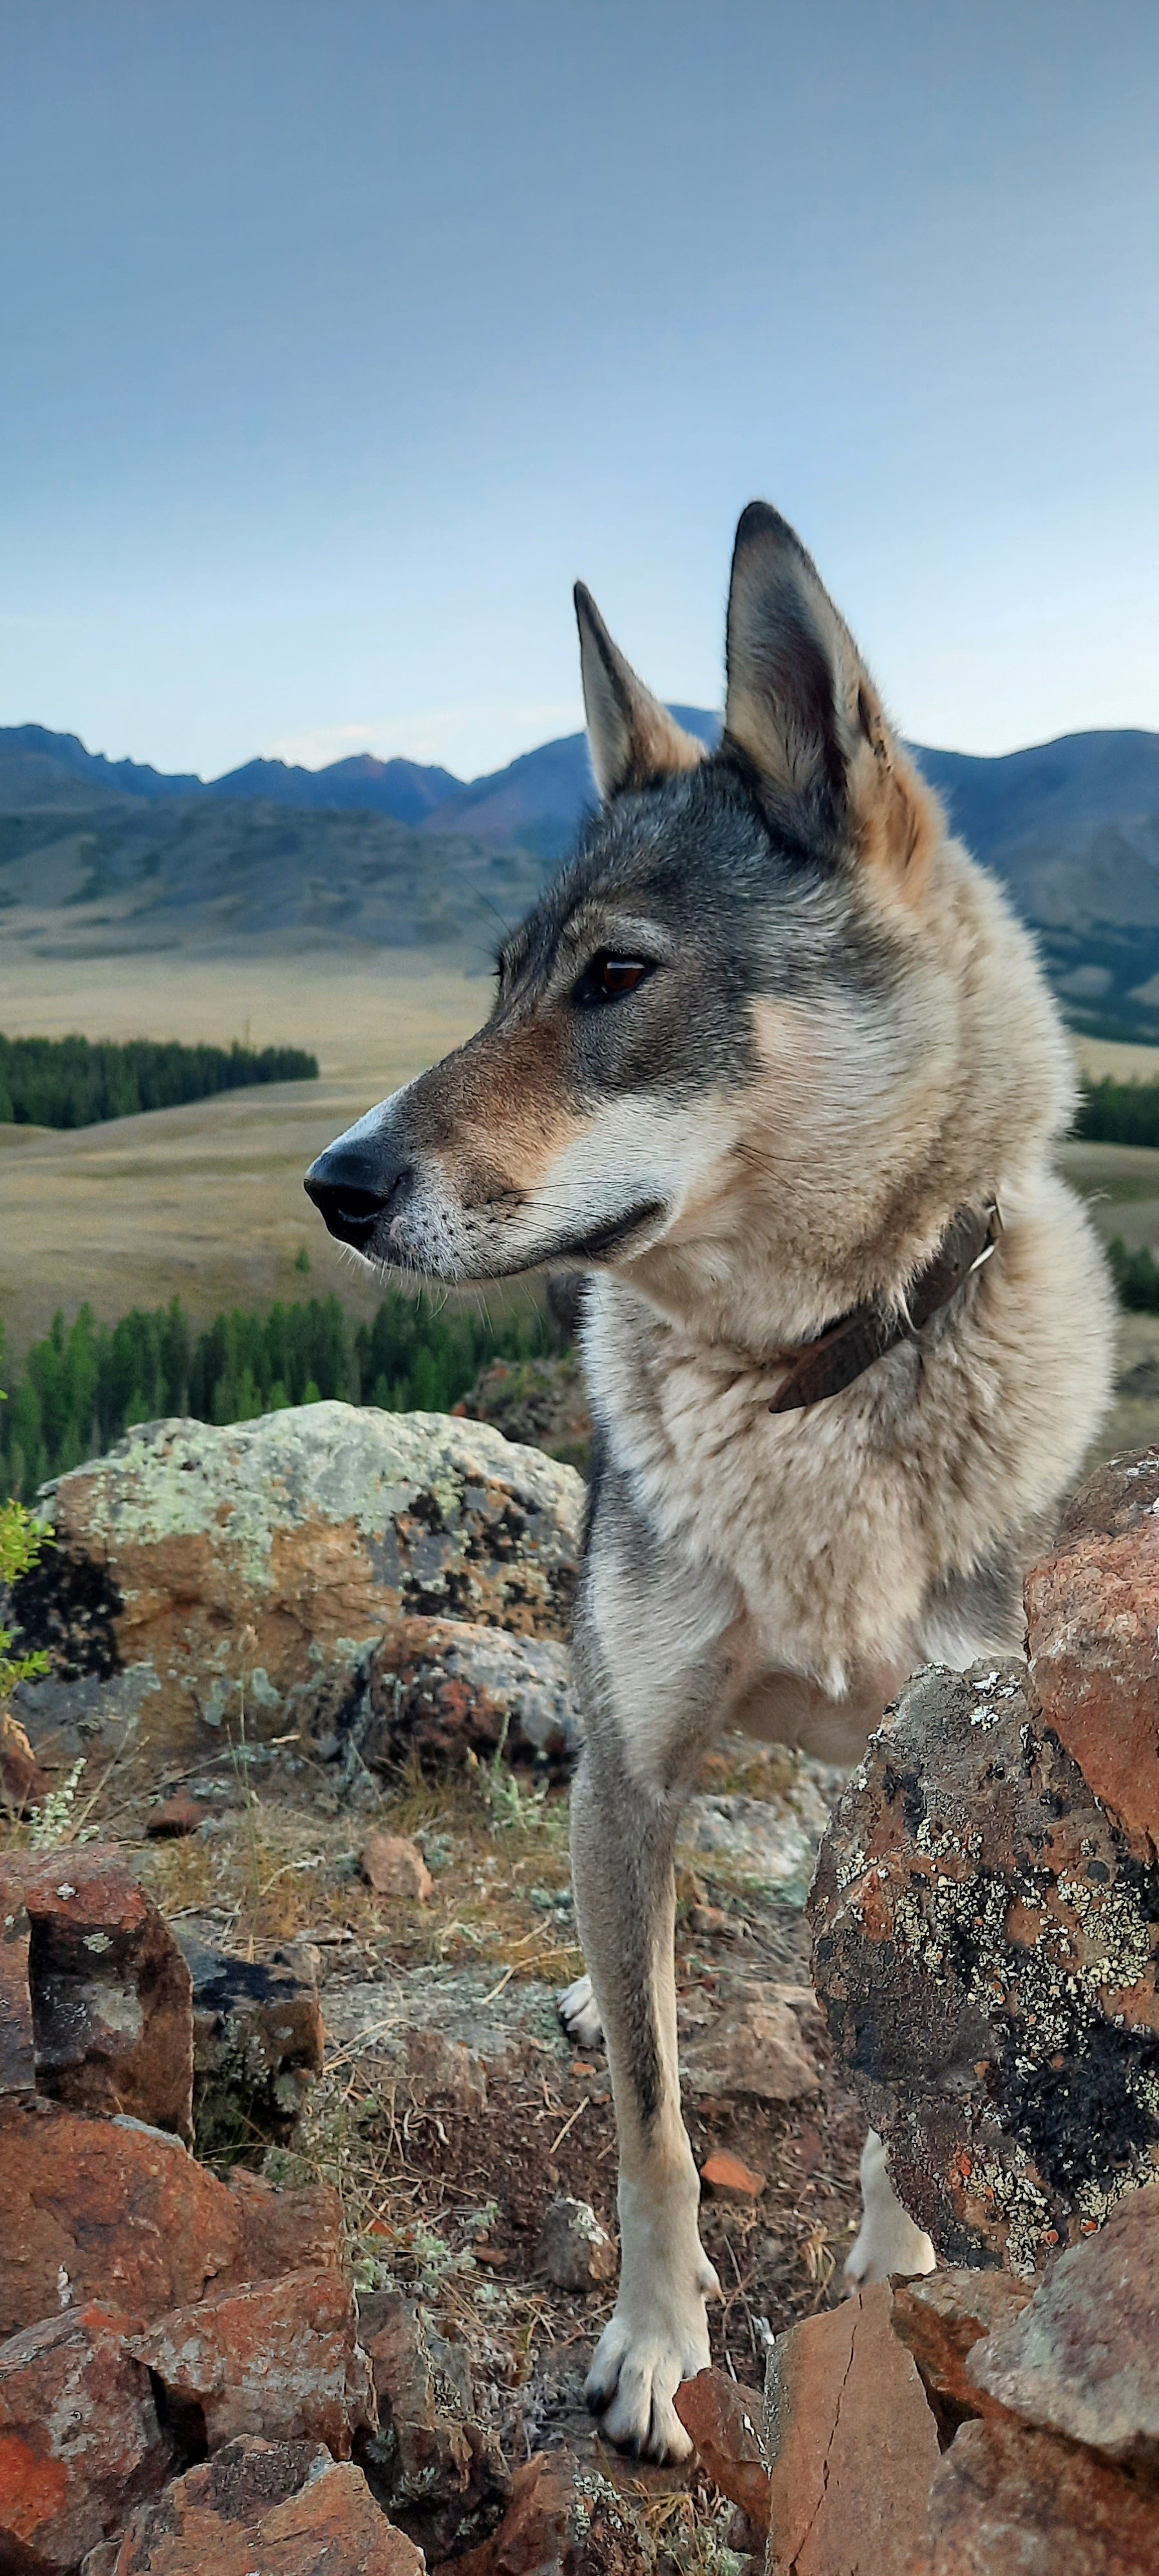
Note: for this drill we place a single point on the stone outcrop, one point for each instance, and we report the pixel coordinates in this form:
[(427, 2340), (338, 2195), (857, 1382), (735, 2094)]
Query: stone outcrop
[(92, 1974), (1027, 2420), (724, 2421), (440, 1690), (80, 2443), (1092, 1610), (256, 1568), (257, 2043), (432, 2461), (984, 1946), (851, 2442), (281, 2508), (281, 2359)]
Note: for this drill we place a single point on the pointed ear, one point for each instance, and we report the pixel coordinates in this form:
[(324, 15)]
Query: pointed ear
[(805, 713), (633, 738)]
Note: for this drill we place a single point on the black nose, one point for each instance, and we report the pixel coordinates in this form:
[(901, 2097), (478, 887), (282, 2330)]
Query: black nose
[(352, 1184)]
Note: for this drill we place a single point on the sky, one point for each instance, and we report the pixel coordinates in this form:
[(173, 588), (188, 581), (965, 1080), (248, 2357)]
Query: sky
[(338, 337)]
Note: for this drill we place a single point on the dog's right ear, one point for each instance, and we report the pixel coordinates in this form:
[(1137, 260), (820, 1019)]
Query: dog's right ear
[(634, 741)]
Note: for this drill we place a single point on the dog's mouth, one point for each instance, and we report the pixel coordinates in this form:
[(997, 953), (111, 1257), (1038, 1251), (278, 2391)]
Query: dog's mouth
[(618, 1234)]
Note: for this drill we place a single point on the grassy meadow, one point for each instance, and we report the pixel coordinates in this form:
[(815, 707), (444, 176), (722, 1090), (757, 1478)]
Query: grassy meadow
[(206, 1201)]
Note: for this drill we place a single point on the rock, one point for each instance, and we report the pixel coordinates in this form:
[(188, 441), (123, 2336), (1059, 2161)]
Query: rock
[(17, 2037), (851, 2443), (174, 1816), (285, 2231), (108, 2209), (439, 1690), (258, 2044), (80, 2444), (281, 2508), (431, 2458), (1092, 1608), (942, 2317), (563, 2520), (265, 1560), (23, 1781), (543, 1401), (282, 2358), (984, 1947), (1083, 2358), (395, 1868), (443, 2070), (1005, 2498), (110, 1992), (726, 2176), (724, 2421), (752, 2048), (772, 1840), (574, 2250)]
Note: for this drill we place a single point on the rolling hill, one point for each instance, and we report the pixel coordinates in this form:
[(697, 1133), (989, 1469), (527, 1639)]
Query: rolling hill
[(99, 855)]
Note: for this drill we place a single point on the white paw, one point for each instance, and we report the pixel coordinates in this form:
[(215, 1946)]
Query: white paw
[(642, 2356), (889, 2239), (580, 2014)]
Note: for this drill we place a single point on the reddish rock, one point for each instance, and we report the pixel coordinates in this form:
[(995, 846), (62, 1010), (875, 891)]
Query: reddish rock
[(1007, 2499), (1092, 1608), (23, 1782), (431, 2458), (261, 1563), (105, 2209), (563, 2520), (258, 2043), (574, 2250), (725, 2424), (285, 2231), (282, 2358), (93, 2208), (753, 2049), (443, 1689), (111, 1997), (852, 2445), (17, 2041), (942, 2317), (395, 1868), (265, 2509), (1083, 2358), (984, 1947), (174, 1816), (726, 2175), (80, 2444)]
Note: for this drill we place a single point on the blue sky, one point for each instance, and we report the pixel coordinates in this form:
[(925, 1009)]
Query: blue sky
[(339, 338)]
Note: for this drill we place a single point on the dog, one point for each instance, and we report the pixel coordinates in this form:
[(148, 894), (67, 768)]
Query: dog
[(774, 1062)]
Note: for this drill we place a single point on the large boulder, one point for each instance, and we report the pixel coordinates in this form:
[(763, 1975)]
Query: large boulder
[(212, 1578)]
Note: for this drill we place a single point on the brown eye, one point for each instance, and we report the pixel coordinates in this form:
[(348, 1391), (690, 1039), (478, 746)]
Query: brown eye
[(616, 975), (609, 977)]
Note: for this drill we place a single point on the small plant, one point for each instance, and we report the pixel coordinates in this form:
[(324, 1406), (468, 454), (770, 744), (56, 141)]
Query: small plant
[(51, 1825), (20, 1546), (303, 1262)]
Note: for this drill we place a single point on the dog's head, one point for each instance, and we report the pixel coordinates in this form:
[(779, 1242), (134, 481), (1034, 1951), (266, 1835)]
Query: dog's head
[(721, 983)]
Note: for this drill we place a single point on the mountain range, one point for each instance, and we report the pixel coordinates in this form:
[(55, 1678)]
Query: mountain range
[(98, 854)]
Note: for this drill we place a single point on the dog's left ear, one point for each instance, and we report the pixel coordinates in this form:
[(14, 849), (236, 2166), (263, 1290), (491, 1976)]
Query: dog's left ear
[(633, 739), (804, 711)]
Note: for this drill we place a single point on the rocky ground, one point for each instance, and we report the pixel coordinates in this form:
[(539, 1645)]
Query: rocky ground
[(284, 1877)]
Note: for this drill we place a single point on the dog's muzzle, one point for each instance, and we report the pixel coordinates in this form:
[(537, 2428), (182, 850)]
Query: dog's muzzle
[(354, 1184)]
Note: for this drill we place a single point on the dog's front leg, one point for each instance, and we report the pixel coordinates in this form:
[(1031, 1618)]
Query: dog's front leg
[(622, 1843)]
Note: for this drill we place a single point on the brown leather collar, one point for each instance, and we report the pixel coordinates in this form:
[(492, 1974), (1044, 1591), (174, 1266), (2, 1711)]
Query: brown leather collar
[(851, 1345)]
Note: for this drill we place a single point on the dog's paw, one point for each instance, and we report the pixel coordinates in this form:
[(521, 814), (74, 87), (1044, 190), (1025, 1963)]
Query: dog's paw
[(580, 2014), (639, 2365), (889, 2240)]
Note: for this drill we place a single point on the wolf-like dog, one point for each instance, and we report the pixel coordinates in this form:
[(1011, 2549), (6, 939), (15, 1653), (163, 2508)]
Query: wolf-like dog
[(774, 1061)]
